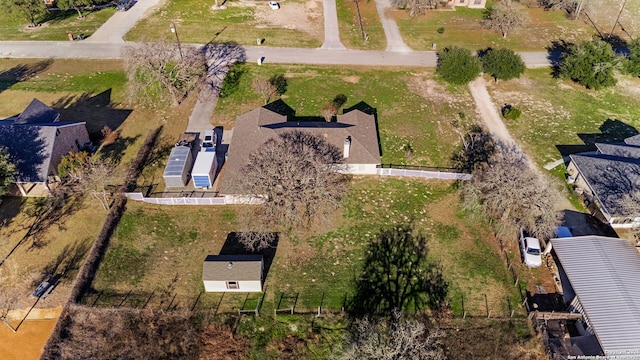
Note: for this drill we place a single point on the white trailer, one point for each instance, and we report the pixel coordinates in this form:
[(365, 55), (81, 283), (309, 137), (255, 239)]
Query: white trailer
[(204, 169)]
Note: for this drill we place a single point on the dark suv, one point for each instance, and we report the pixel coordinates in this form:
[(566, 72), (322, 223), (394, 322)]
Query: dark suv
[(124, 5)]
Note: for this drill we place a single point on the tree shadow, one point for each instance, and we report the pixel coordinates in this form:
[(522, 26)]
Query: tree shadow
[(611, 131), (22, 72), (67, 261), (582, 224), (219, 57), (233, 246), (97, 111), (554, 55), (397, 275), (10, 208), (28, 150), (617, 43)]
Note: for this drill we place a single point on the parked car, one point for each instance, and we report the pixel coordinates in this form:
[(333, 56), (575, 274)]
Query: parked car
[(209, 141), (124, 5), (274, 5), (563, 232), (531, 251), (41, 289)]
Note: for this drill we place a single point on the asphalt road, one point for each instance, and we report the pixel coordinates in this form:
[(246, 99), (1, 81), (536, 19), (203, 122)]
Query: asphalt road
[(87, 50)]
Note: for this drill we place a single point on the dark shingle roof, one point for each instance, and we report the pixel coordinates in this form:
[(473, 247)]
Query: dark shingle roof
[(609, 177), (232, 268), (255, 127), (617, 149), (37, 113)]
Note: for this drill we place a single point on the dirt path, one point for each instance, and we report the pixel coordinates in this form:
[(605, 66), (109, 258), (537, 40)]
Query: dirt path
[(488, 112)]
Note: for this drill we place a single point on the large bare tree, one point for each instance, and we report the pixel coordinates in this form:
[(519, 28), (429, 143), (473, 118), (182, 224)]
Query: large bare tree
[(393, 338), (415, 7), (504, 17), (85, 174), (296, 176), (513, 194), (161, 70)]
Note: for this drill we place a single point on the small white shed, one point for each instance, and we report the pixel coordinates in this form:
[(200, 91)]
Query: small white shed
[(176, 173), (233, 273)]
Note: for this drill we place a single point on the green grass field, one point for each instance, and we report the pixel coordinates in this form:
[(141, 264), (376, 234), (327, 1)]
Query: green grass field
[(54, 26), (238, 23), (559, 112), (462, 28)]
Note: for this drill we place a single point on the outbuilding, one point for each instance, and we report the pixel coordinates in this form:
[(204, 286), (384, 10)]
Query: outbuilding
[(600, 280), (233, 273), (178, 169)]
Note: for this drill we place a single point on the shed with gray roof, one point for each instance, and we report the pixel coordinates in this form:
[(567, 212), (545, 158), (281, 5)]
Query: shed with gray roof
[(233, 273), (600, 280)]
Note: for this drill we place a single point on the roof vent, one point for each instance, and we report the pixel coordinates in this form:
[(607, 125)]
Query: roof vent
[(347, 147), (229, 264)]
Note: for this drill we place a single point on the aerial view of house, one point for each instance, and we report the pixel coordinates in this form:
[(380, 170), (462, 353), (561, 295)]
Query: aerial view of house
[(319, 179)]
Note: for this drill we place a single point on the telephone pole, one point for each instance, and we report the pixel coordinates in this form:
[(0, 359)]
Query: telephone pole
[(624, 2)]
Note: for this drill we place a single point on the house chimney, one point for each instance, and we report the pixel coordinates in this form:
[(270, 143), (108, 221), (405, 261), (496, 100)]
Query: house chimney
[(347, 146)]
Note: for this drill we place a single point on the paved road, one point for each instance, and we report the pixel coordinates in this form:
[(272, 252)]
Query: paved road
[(121, 22), (331, 31), (391, 31), (86, 50)]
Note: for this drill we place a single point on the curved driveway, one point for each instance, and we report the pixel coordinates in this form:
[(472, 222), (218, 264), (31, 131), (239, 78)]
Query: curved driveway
[(391, 31)]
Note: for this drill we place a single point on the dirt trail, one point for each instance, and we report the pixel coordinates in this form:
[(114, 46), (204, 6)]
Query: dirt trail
[(493, 122)]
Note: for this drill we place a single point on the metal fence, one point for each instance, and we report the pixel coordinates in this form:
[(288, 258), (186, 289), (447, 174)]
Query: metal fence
[(178, 200)]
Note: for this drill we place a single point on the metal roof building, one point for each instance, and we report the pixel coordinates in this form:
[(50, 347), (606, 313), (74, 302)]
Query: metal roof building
[(604, 275)]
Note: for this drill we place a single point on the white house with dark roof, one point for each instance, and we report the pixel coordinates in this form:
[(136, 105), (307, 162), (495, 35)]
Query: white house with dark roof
[(233, 273), (606, 177), (36, 141), (599, 277)]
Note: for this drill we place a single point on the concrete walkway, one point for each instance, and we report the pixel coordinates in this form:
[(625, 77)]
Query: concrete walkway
[(121, 22), (391, 31), (331, 31)]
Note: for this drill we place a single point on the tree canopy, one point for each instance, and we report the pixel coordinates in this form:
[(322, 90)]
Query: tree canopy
[(503, 17), (415, 7), (29, 10), (632, 64), (295, 174), (503, 64), (397, 275), (458, 65), (75, 4), (8, 171), (590, 63)]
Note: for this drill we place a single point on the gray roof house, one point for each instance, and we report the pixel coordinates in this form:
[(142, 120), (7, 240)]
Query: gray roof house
[(606, 177), (36, 141), (355, 132), (599, 277), (233, 273)]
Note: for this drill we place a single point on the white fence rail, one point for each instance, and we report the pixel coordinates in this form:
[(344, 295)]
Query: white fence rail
[(423, 174), (177, 200)]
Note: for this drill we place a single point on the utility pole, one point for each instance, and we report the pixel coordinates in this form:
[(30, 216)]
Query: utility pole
[(624, 2), (175, 31)]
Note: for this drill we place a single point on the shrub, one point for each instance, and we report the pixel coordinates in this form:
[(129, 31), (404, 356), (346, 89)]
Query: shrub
[(511, 113), (458, 65), (440, 30)]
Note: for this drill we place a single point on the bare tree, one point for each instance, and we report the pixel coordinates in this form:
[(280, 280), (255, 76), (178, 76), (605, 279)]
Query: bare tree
[(84, 174), (158, 70), (296, 176), (219, 59), (415, 7), (573, 7), (329, 110), (393, 339), (264, 88), (504, 17), (513, 194)]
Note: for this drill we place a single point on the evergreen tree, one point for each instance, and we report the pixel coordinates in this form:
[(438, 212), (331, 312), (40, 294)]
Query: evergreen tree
[(457, 65), (503, 64)]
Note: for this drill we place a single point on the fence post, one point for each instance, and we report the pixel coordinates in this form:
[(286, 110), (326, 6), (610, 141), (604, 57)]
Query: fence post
[(320, 306), (509, 305), (486, 304), (464, 313)]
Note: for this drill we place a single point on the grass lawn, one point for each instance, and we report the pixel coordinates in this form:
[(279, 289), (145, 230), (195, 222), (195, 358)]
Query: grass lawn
[(162, 247), (413, 108), (462, 28), (241, 22), (559, 112), (54, 26), (350, 34)]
